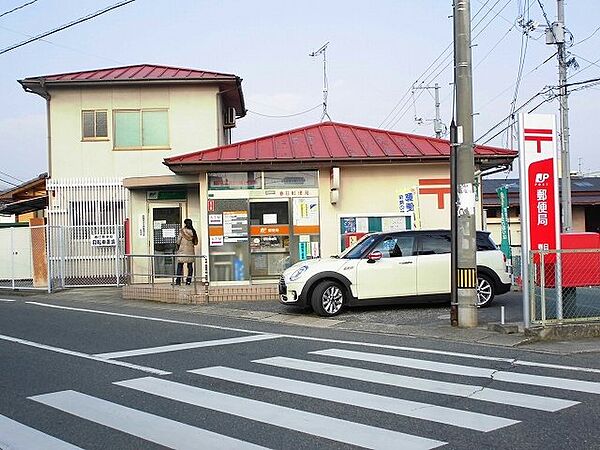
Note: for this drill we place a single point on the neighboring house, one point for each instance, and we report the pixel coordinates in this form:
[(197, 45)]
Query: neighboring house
[(25, 201), (268, 202), (107, 124), (585, 198)]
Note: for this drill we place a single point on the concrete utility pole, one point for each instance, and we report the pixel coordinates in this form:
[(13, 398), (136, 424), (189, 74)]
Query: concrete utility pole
[(567, 215), (464, 233)]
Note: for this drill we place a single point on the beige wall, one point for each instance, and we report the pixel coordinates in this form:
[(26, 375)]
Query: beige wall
[(139, 210), (193, 125), (375, 189)]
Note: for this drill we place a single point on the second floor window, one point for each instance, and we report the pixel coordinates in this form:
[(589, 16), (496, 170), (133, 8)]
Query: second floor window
[(145, 128), (94, 125)]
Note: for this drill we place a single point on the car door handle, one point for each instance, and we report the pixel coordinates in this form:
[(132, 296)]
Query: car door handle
[(405, 262)]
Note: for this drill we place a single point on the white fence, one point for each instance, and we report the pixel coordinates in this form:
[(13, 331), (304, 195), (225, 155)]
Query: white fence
[(57, 257), (23, 258)]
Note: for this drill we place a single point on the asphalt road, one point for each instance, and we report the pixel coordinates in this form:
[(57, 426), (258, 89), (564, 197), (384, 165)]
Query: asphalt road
[(108, 377)]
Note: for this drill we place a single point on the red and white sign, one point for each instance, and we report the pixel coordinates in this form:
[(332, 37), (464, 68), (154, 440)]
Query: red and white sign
[(539, 182)]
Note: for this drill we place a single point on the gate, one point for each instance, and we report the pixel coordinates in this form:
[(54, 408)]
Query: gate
[(90, 255)]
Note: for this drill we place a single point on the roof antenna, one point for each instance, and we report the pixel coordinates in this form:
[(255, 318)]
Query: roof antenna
[(323, 51)]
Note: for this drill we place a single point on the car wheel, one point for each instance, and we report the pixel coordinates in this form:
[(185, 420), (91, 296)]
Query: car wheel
[(328, 298), (485, 290)]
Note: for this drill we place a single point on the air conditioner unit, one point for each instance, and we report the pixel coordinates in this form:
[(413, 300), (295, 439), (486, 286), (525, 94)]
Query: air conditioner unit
[(229, 120)]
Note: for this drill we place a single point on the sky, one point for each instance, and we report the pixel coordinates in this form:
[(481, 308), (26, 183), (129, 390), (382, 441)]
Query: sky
[(377, 52)]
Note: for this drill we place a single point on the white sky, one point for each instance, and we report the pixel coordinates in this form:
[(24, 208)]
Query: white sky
[(377, 50)]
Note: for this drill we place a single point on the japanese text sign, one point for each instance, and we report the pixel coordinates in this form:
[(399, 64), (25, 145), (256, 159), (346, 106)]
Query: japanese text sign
[(539, 181)]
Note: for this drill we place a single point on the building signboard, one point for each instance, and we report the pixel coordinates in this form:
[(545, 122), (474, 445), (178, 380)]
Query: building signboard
[(539, 192), (104, 240)]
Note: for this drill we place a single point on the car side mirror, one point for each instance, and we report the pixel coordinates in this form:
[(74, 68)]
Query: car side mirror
[(374, 256)]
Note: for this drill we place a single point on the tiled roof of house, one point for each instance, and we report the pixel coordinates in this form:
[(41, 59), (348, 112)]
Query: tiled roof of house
[(230, 84), (332, 141), (584, 190), (136, 72)]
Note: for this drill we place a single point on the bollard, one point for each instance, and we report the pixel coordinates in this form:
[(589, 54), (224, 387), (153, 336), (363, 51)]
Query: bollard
[(502, 315)]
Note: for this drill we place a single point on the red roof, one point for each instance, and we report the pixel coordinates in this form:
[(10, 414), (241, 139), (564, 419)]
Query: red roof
[(229, 84), (332, 141), (137, 72)]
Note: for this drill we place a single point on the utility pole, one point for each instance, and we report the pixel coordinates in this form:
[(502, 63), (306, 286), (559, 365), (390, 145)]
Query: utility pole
[(567, 215), (438, 126), (555, 35), (464, 233)]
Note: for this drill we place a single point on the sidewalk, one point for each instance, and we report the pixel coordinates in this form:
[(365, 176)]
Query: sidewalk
[(427, 321)]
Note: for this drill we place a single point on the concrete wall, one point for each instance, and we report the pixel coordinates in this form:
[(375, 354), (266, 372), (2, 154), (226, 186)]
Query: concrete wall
[(194, 123)]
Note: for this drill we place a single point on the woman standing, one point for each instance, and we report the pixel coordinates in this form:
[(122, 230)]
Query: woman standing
[(187, 239)]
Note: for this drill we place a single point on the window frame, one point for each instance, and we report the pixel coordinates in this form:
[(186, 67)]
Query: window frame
[(94, 138), (396, 236), (422, 236), (141, 111)]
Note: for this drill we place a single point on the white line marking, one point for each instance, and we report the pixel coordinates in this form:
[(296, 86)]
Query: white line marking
[(306, 422), (186, 346), (16, 436), (335, 341), (82, 355), (423, 384), (135, 316), (417, 410), (7, 300), (150, 427), (469, 371)]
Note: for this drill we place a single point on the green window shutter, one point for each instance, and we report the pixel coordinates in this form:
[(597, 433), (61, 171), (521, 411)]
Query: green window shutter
[(155, 129), (127, 129)]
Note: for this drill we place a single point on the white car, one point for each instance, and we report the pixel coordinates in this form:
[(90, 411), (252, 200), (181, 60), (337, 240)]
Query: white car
[(384, 268)]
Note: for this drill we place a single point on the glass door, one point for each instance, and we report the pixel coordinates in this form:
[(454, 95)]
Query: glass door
[(165, 223), (269, 238)]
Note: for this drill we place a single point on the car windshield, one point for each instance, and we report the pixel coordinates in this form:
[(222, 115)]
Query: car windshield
[(357, 250)]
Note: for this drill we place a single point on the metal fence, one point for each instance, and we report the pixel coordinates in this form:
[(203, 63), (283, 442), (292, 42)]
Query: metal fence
[(160, 270), (578, 272), (56, 257), (23, 258), (86, 255)]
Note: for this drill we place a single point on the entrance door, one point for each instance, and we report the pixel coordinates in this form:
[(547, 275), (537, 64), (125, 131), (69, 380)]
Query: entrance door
[(165, 223)]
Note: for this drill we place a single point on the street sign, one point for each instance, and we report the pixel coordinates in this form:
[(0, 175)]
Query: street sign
[(538, 165)]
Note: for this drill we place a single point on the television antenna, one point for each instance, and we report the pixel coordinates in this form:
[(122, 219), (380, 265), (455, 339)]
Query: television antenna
[(323, 51)]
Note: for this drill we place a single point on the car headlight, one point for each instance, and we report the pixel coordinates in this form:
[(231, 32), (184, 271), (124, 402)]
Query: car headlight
[(298, 273)]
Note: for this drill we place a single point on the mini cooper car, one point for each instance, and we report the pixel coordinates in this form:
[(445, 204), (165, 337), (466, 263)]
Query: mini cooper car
[(394, 267)]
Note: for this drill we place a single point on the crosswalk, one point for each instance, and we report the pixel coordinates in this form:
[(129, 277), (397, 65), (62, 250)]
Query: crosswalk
[(330, 378)]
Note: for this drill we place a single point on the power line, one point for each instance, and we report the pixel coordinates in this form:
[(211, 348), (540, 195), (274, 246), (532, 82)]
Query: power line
[(5, 13), (8, 182), (73, 49), (434, 68), (10, 176), (68, 25), (286, 115), (585, 39)]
